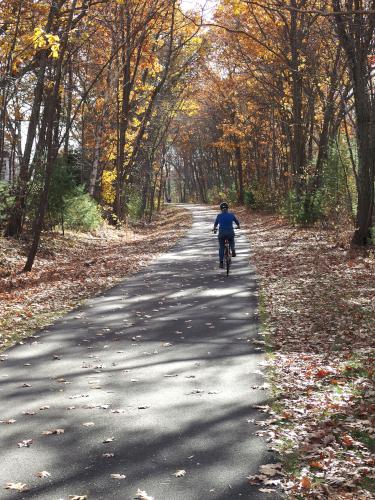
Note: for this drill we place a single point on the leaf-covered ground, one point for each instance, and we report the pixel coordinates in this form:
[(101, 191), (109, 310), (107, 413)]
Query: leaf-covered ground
[(318, 298), (73, 267)]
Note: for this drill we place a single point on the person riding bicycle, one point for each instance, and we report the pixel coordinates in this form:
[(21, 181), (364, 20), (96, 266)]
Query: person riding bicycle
[(225, 222)]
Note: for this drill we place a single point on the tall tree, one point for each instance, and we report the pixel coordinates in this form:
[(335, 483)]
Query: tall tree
[(355, 29)]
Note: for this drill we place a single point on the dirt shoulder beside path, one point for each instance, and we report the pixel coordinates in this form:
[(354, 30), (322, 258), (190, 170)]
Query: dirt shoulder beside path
[(74, 267), (318, 298)]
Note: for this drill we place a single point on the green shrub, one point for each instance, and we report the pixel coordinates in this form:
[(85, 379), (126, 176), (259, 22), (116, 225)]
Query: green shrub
[(134, 206), (339, 188), (260, 196), (217, 195), (6, 202), (69, 206), (249, 198), (81, 212), (63, 187), (303, 209)]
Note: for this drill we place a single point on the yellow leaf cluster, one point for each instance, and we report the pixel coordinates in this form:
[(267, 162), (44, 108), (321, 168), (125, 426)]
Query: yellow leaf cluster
[(43, 40), (108, 191)]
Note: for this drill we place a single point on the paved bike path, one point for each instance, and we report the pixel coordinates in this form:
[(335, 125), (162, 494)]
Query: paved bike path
[(162, 366)]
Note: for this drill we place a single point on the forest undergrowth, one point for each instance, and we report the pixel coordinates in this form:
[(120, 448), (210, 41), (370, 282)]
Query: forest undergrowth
[(73, 267), (318, 296)]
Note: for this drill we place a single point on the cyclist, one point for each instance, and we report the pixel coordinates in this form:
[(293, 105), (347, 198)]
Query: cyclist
[(225, 222)]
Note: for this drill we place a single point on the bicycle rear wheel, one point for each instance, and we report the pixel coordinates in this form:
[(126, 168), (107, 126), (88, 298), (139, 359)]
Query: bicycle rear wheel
[(228, 263), (227, 256)]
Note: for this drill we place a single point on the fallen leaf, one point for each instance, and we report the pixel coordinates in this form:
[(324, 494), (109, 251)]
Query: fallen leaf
[(43, 474), (109, 440), (16, 486), (118, 476), (305, 483), (316, 464), (142, 495), (53, 431), (25, 443), (347, 440), (180, 473), (270, 469)]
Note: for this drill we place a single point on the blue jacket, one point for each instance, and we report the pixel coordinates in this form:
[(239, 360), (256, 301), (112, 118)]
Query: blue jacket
[(225, 222)]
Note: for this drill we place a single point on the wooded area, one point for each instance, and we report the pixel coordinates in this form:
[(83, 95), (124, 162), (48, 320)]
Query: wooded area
[(88, 91), (285, 116), (110, 107)]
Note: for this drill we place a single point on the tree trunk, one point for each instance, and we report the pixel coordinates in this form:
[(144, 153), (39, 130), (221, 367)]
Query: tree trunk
[(14, 226), (356, 33), (39, 219), (327, 119), (297, 147), (68, 107), (161, 186), (95, 163), (238, 157), (53, 107)]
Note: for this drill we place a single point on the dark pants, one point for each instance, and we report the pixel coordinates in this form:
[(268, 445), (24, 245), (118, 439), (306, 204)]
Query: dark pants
[(222, 238)]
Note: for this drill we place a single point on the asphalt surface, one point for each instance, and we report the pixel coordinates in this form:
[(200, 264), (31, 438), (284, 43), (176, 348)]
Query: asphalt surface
[(164, 365)]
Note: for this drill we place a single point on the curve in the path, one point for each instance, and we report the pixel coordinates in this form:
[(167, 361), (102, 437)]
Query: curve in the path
[(164, 364)]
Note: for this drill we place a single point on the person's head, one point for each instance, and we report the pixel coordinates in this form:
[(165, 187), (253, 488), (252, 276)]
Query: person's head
[(224, 206)]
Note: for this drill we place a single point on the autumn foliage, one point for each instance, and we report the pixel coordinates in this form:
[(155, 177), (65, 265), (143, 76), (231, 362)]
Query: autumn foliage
[(90, 87), (280, 118)]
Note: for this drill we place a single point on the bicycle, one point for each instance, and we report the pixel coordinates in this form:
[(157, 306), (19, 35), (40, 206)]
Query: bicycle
[(227, 254)]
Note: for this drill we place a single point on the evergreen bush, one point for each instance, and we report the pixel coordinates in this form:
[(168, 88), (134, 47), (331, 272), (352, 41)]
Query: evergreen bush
[(6, 202), (303, 209), (134, 206), (249, 198), (81, 212), (69, 206)]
